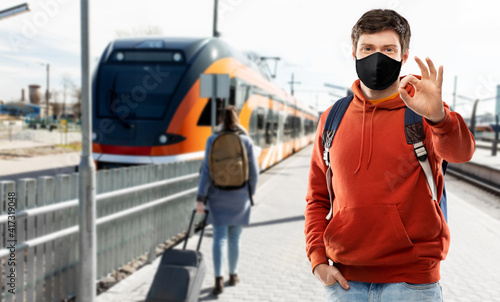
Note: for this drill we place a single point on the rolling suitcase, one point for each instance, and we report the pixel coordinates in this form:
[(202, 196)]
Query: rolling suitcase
[(180, 274)]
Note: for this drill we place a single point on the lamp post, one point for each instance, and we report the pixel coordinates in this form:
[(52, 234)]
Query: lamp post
[(473, 121), (472, 127), (215, 33), (15, 10), (86, 287)]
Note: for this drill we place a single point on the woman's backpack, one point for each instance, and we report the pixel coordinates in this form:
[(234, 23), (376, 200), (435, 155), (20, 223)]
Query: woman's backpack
[(228, 161)]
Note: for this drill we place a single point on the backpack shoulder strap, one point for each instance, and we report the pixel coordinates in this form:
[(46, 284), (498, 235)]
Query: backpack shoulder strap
[(332, 123), (415, 135)]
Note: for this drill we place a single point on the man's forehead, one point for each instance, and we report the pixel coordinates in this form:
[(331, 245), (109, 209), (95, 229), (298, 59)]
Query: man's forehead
[(386, 37)]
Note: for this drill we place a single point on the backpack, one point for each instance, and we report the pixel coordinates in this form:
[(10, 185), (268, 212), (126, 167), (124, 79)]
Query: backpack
[(414, 133), (228, 162)]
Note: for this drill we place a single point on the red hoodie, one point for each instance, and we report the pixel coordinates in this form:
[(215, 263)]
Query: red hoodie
[(385, 226)]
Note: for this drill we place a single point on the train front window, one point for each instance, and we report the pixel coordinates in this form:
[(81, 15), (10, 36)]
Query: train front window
[(136, 91)]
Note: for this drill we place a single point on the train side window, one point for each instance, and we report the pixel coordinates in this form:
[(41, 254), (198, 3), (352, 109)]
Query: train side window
[(232, 93), (275, 131), (306, 127), (260, 126), (206, 115), (232, 96)]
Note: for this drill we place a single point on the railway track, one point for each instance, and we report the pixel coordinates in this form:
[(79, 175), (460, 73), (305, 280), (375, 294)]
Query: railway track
[(481, 176)]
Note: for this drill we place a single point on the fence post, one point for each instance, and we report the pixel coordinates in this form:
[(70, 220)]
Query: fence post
[(153, 234)]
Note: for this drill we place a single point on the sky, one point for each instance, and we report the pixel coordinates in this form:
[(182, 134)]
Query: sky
[(312, 38)]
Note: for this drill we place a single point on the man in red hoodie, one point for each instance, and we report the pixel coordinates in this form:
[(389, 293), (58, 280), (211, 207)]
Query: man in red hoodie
[(384, 234)]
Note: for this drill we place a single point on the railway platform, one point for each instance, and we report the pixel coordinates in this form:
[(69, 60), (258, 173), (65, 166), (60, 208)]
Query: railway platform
[(273, 265), (482, 156)]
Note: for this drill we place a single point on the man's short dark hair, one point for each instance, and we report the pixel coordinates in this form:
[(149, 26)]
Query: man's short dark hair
[(377, 20)]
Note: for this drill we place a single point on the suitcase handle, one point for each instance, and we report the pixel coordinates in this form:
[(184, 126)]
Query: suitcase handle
[(202, 229)]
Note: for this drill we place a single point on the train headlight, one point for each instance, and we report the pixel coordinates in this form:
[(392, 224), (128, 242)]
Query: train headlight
[(162, 139), (94, 135), (120, 56), (177, 57)]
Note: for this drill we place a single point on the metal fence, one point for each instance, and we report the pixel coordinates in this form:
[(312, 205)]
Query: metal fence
[(7, 131), (137, 208)]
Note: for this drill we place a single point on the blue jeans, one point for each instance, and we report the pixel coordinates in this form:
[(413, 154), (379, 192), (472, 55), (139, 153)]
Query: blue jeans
[(384, 292), (223, 235)]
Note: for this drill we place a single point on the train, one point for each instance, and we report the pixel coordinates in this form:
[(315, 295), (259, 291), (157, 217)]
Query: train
[(486, 132), (147, 109)]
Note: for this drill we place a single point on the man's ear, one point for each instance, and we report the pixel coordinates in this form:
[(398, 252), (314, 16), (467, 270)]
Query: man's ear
[(406, 55), (354, 53)]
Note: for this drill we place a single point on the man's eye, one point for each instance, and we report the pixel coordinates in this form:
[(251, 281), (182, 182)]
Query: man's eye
[(367, 49), (389, 50)]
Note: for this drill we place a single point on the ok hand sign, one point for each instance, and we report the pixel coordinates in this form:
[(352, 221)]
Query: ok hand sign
[(427, 100)]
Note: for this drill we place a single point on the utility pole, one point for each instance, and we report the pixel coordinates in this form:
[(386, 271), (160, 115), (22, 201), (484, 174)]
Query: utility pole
[(87, 264), (497, 104), (47, 94), (64, 100), (293, 82), (215, 33)]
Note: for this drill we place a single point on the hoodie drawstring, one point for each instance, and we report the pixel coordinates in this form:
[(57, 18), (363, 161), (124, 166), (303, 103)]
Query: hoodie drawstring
[(371, 138), (362, 145), (362, 138)]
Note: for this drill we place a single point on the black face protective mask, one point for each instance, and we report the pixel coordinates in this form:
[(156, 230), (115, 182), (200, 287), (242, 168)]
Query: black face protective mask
[(378, 71)]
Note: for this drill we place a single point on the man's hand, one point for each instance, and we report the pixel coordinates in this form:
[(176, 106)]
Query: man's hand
[(200, 207), (427, 100), (328, 274)]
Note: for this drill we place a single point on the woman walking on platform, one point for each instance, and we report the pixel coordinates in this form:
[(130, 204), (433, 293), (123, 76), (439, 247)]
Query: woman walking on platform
[(229, 207)]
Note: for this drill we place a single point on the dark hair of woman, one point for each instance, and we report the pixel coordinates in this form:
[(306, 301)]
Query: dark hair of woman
[(229, 117)]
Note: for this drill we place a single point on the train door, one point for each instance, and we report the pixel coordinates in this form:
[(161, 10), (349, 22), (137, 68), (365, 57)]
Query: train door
[(270, 129), (280, 133), (260, 127), (302, 131)]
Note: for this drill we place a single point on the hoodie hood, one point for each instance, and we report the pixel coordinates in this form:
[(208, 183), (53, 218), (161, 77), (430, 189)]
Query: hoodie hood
[(365, 105)]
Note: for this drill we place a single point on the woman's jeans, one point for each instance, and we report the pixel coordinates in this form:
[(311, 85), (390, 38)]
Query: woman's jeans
[(384, 292), (223, 235)]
